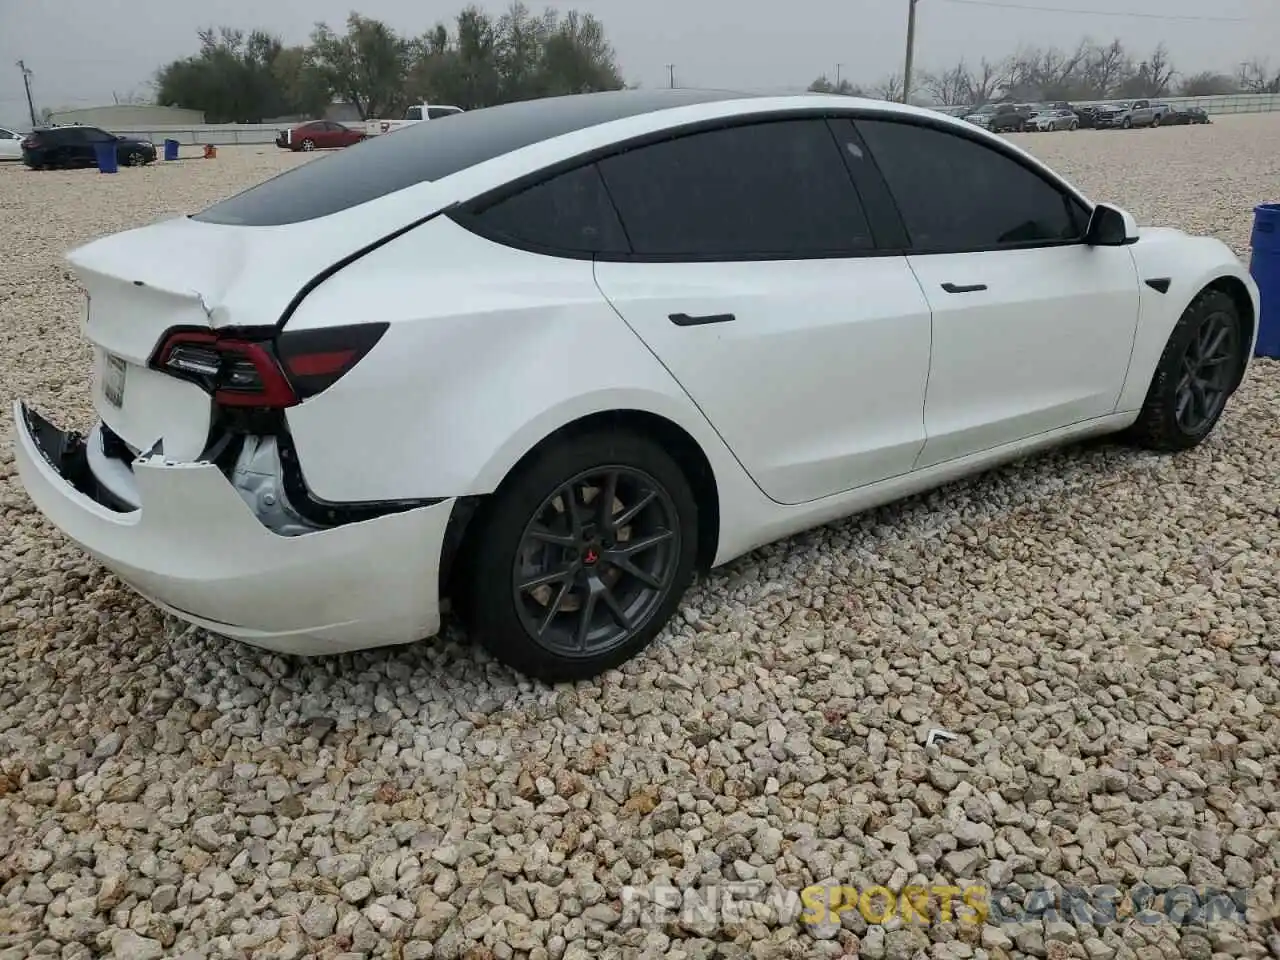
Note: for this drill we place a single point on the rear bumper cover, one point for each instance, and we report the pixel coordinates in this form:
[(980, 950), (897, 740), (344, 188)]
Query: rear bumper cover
[(195, 548)]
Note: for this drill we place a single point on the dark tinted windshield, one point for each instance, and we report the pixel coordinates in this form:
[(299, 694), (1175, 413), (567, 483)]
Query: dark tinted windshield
[(430, 151)]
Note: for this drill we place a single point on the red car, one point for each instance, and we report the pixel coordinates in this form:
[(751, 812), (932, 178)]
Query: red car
[(318, 135)]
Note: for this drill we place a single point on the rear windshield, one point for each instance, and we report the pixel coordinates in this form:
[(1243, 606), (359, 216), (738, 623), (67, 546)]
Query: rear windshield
[(430, 151)]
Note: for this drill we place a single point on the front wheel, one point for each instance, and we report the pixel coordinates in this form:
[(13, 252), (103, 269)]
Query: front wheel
[(1126, 123), (581, 557), (1197, 373), (308, 145)]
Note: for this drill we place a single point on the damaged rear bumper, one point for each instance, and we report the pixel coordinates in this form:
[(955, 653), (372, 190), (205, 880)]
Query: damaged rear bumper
[(193, 546)]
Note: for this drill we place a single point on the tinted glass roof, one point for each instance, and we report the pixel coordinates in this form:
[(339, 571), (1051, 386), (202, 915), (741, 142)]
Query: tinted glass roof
[(432, 150)]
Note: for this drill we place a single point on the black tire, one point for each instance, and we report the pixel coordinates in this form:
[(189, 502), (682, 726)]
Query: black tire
[(134, 159), (1159, 426), (1155, 121), (1126, 123), (308, 145), (1075, 125), (501, 614)]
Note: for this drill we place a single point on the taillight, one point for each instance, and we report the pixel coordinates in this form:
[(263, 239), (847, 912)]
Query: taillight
[(242, 371), (236, 372), (315, 359)]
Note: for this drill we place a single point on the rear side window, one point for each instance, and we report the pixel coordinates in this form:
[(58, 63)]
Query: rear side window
[(570, 213), (435, 113), (956, 194), (775, 190), (413, 113)]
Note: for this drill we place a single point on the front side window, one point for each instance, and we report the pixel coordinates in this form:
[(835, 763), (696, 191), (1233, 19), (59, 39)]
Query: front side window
[(956, 194), (773, 190), (570, 213)]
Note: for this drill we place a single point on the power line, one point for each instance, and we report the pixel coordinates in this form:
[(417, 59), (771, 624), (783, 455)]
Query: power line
[(1099, 13)]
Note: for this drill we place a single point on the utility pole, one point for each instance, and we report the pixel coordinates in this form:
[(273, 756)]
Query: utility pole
[(671, 74), (838, 66), (911, 50), (26, 82)]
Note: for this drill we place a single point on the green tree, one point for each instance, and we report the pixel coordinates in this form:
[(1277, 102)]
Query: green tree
[(367, 66), (236, 77)]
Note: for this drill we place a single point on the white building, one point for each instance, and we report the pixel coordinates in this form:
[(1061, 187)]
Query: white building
[(128, 115)]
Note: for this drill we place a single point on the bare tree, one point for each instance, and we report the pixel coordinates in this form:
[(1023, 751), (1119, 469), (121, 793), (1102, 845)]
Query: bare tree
[(1207, 84), (1105, 69), (950, 87), (1255, 76), (1160, 71), (987, 80), (890, 88)]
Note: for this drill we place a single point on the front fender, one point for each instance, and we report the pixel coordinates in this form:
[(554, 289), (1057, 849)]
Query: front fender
[(1190, 264)]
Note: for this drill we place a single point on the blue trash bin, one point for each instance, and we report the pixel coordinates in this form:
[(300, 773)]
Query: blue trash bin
[(106, 154), (171, 149), (1264, 266)]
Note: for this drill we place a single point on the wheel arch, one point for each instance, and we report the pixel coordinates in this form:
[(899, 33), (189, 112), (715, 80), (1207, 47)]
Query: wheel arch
[(673, 438), (1235, 288)]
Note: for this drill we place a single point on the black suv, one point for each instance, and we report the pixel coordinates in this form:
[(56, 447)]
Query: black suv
[(74, 147)]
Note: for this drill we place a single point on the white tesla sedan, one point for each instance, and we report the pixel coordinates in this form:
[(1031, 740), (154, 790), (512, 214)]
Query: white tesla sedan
[(550, 358)]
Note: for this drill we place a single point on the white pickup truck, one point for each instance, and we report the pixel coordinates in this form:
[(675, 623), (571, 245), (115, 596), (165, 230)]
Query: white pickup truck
[(417, 113)]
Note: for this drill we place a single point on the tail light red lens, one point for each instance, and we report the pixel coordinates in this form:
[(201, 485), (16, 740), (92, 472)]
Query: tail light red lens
[(240, 370), (315, 359)]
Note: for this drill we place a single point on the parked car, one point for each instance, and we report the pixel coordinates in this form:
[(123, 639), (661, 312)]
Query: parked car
[(981, 116), (10, 144), (1178, 116), (318, 135), (1087, 116), (75, 146), (679, 325), (418, 113), (1055, 119), (1011, 118), (1138, 113)]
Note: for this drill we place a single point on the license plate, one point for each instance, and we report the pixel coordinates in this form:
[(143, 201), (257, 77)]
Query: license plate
[(113, 374)]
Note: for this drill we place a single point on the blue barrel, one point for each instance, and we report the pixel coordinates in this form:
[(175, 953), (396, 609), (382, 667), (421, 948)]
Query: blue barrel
[(171, 149), (106, 154), (1264, 265)]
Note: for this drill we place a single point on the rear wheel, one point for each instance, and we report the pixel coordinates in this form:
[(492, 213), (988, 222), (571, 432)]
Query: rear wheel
[(581, 557), (134, 159), (1155, 121), (1075, 125), (1198, 372)]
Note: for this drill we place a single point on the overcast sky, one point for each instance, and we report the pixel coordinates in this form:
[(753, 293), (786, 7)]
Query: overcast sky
[(81, 51)]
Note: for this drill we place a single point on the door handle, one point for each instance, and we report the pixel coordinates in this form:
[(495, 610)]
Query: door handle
[(684, 320), (963, 288)]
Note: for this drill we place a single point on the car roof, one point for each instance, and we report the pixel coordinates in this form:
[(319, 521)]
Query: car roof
[(421, 166)]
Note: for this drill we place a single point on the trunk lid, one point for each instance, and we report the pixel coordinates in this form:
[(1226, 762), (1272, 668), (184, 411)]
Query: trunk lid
[(186, 273)]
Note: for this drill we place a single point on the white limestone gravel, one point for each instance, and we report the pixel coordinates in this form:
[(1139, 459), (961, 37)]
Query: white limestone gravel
[(1098, 626)]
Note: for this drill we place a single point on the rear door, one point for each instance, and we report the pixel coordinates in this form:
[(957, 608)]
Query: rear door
[(1032, 328), (754, 278)]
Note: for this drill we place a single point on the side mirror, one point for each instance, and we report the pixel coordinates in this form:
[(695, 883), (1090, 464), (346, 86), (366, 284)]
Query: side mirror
[(1111, 227)]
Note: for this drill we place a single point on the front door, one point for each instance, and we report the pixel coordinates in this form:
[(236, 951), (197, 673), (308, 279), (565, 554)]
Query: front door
[(1032, 328)]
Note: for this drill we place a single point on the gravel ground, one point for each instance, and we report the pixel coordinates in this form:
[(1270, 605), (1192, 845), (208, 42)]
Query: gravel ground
[(1097, 626)]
